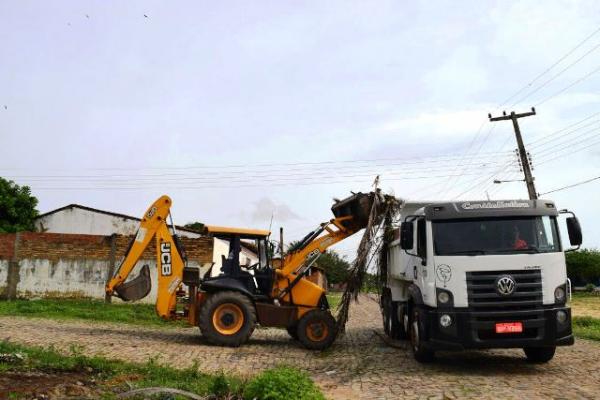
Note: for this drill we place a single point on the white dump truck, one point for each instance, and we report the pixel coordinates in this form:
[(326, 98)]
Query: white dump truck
[(479, 274)]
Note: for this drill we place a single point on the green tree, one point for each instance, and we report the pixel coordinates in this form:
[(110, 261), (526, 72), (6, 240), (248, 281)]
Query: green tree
[(336, 267), (583, 266), (195, 226), (17, 207)]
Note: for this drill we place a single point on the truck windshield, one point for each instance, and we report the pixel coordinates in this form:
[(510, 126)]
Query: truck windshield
[(512, 235)]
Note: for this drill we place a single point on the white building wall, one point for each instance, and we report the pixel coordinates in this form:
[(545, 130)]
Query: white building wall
[(87, 222), (3, 273), (75, 278)]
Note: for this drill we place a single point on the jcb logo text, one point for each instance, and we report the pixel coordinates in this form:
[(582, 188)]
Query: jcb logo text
[(165, 259)]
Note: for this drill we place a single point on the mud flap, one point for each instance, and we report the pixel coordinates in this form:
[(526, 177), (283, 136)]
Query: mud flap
[(137, 288)]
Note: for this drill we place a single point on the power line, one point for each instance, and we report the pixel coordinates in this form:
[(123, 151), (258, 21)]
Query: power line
[(565, 128), (578, 81), (562, 154), (257, 184), (557, 75), (306, 165), (561, 59), (570, 186), (391, 168), (571, 142), (545, 143)]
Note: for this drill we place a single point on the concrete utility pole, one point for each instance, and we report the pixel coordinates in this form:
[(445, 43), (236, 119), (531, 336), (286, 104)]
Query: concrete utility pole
[(522, 153)]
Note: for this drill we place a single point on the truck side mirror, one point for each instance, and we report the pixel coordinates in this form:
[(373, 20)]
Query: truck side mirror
[(574, 229), (406, 236)]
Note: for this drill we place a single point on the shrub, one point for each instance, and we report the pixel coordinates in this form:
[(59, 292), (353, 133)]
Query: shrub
[(590, 287), (583, 266), (282, 383)]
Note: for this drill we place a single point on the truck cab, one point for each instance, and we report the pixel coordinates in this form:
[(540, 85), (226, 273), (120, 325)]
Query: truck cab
[(479, 274)]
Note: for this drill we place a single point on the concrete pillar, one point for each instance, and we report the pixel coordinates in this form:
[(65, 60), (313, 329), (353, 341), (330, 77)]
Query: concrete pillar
[(13, 278), (111, 263)]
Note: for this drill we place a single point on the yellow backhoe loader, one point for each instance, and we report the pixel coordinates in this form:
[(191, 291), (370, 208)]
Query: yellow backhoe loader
[(226, 307)]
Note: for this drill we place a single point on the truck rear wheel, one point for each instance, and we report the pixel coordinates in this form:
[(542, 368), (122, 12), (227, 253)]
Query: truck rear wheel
[(227, 318), (539, 354), (391, 323), (417, 334), (316, 329)]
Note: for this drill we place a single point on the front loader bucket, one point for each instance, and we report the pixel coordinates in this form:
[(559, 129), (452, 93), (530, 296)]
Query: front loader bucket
[(358, 206), (137, 288)]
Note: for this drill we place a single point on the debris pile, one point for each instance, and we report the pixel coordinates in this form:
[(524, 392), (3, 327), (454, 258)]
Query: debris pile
[(380, 220)]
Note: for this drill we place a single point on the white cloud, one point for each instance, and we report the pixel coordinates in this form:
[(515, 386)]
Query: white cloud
[(264, 208)]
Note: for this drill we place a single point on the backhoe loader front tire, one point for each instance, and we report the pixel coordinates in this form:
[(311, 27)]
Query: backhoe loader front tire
[(227, 318), (293, 331), (316, 329)]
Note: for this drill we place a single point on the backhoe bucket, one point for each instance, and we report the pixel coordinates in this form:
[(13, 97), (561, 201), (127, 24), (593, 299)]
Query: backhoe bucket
[(137, 288), (358, 206)]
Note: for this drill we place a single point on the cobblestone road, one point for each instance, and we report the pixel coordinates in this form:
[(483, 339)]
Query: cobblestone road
[(359, 365)]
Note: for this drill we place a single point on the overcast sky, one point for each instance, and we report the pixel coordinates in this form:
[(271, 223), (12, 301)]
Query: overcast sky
[(240, 110)]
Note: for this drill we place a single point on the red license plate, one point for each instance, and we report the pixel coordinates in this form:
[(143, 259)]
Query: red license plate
[(509, 327)]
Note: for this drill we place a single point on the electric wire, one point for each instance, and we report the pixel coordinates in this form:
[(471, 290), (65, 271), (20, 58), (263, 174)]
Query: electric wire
[(570, 186), (571, 142), (557, 75), (565, 153), (561, 59), (578, 81), (564, 129)]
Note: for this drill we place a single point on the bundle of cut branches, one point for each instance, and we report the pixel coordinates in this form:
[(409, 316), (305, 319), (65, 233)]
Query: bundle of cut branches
[(382, 213)]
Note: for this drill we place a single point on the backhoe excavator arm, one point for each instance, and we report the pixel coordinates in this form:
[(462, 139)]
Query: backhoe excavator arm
[(169, 261), (316, 245), (294, 284)]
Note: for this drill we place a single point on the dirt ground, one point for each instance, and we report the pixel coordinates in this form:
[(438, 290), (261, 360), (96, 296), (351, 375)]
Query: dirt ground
[(38, 385), (359, 365)]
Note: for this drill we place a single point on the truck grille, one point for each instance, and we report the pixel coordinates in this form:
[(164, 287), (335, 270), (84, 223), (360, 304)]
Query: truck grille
[(488, 307), (482, 294)]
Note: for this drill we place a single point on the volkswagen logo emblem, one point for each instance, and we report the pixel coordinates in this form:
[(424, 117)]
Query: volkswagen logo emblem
[(505, 285)]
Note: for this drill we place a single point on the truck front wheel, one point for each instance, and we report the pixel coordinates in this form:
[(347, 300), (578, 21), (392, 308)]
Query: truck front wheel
[(227, 318), (539, 354), (417, 334)]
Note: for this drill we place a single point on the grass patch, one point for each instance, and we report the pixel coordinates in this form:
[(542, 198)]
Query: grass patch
[(334, 299), (587, 327), (277, 383), (95, 310), (64, 309), (585, 299)]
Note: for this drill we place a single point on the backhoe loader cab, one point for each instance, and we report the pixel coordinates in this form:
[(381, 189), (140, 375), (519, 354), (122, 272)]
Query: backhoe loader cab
[(228, 306), (253, 277)]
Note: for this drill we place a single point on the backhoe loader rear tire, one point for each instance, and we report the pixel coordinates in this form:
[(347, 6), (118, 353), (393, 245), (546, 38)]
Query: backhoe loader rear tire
[(316, 329), (227, 318)]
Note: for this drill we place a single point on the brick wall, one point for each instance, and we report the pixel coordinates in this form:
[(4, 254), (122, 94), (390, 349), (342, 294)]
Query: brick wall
[(55, 246), (7, 246), (69, 264)]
